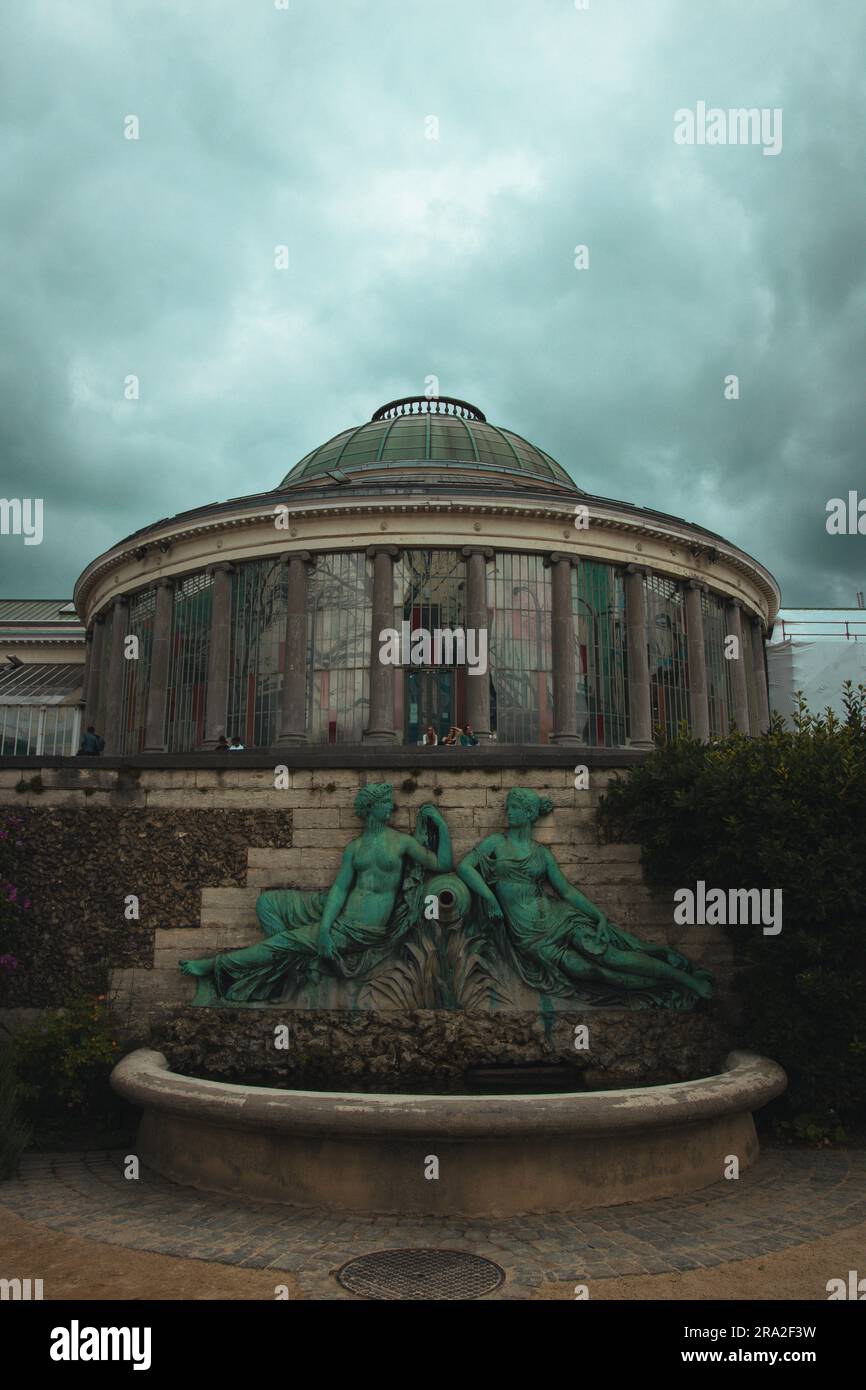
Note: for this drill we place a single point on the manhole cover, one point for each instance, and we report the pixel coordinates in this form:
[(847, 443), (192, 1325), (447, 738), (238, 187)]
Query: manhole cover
[(420, 1274)]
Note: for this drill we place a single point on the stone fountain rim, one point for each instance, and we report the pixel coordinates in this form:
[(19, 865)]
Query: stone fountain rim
[(748, 1082)]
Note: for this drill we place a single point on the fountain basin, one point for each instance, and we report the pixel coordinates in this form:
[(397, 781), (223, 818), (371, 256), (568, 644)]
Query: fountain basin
[(496, 1155)]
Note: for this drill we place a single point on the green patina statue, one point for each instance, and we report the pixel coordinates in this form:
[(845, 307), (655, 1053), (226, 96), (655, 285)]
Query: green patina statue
[(525, 919), (560, 943), (376, 898)]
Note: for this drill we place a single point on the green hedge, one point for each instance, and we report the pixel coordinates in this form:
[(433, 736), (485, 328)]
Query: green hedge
[(784, 810)]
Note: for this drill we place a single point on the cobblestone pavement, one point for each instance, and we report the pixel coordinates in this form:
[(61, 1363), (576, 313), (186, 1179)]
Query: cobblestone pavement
[(787, 1199)]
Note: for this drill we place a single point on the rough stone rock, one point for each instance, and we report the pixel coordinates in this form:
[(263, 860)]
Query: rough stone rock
[(435, 1050), (77, 867)]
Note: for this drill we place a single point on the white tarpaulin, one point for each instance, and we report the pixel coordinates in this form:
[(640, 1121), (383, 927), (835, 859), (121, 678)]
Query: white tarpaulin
[(818, 668)]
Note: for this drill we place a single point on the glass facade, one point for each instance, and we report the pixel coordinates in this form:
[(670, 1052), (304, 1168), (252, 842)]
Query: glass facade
[(598, 604), (339, 620), (31, 730), (187, 663), (258, 630), (668, 654), (719, 695), (60, 732), (519, 604), (430, 593), (136, 671)]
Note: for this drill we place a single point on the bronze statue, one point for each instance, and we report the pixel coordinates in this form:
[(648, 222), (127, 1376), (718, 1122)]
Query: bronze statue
[(525, 918), (375, 899), (559, 942)]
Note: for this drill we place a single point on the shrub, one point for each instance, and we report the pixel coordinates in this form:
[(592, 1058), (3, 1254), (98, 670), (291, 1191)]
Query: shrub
[(14, 1129), (64, 1062), (785, 810), (13, 903)]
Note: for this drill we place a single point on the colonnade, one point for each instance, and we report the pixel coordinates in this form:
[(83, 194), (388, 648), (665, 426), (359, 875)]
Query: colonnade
[(104, 699)]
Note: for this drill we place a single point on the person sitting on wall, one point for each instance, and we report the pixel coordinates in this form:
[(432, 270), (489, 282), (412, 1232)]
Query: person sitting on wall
[(222, 744), (236, 746), (92, 744), (467, 738), (431, 738), (451, 737)]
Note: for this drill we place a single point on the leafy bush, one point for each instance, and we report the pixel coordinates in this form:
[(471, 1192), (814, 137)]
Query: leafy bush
[(64, 1062), (13, 904), (784, 810), (14, 1130)]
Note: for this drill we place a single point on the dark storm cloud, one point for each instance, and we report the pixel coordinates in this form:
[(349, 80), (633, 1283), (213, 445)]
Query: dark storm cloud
[(411, 257)]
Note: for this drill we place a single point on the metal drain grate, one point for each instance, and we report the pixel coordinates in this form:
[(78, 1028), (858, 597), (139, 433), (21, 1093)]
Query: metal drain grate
[(420, 1274)]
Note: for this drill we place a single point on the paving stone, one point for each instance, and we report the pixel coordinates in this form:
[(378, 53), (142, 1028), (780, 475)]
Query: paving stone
[(786, 1199)]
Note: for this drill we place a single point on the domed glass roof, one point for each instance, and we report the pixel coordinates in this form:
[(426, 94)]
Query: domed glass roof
[(430, 435)]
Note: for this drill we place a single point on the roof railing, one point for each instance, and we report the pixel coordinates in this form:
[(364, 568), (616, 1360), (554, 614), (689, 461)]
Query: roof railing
[(429, 405), (853, 630)]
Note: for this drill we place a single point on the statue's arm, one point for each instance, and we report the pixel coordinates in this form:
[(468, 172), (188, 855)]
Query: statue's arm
[(420, 854), (467, 869), (443, 858), (336, 900), (560, 885)]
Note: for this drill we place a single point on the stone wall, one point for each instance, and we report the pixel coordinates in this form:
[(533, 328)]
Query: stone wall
[(197, 845)]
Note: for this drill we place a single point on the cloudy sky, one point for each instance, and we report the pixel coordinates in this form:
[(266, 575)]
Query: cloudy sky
[(307, 126)]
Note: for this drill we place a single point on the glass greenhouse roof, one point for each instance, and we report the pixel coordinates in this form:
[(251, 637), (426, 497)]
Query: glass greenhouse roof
[(419, 431)]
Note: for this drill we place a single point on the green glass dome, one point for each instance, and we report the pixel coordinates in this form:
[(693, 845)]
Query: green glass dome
[(424, 436)]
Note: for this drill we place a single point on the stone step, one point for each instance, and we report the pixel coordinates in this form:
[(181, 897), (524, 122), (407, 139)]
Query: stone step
[(202, 941)]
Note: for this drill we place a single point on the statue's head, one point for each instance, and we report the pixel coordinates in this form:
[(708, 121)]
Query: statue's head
[(375, 801), (524, 806)]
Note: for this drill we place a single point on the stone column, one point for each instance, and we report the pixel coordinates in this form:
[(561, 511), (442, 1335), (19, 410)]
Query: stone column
[(478, 687), (760, 669), (564, 651), (113, 734), (219, 653), (85, 672), (739, 686), (639, 705), (697, 660), (157, 690), (380, 728), (91, 690), (293, 706)]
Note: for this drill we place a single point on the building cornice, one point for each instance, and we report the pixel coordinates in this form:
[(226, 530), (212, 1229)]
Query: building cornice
[(143, 558)]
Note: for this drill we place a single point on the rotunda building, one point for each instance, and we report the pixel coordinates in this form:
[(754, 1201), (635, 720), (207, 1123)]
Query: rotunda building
[(423, 568)]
